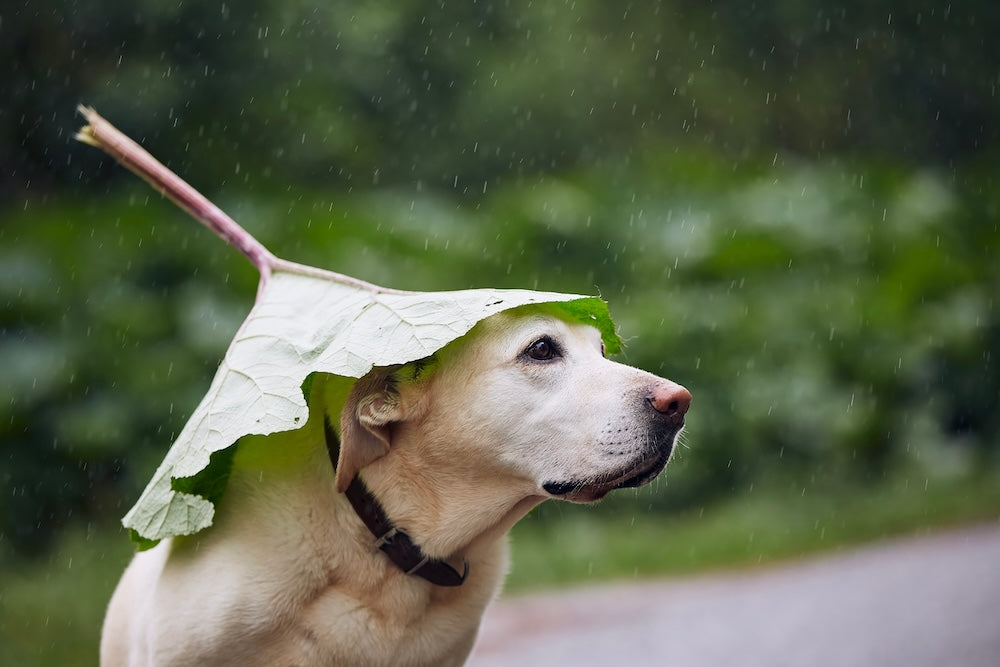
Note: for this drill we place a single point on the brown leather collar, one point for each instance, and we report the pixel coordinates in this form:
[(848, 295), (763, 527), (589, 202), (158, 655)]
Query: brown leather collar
[(393, 542)]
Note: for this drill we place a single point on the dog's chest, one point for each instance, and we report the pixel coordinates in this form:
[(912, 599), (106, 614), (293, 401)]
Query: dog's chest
[(323, 595), (400, 628)]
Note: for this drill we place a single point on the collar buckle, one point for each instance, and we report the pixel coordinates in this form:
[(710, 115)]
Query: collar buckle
[(386, 538)]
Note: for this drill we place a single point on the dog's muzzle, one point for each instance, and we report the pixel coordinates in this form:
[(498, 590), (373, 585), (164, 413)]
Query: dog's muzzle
[(668, 403)]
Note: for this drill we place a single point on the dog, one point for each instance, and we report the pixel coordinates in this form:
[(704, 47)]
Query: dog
[(379, 538)]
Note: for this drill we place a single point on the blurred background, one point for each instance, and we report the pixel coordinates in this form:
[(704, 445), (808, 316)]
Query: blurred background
[(791, 208)]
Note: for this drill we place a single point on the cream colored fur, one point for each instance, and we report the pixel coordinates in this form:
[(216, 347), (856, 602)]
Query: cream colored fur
[(456, 452)]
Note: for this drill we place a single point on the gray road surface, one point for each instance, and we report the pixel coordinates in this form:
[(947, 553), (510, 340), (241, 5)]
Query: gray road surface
[(917, 602)]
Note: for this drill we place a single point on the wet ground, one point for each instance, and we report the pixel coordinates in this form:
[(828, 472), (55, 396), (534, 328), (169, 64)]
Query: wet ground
[(917, 602)]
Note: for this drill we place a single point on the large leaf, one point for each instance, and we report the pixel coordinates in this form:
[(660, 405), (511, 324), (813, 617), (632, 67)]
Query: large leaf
[(307, 322)]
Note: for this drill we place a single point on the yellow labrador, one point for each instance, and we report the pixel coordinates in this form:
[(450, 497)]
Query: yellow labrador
[(379, 538)]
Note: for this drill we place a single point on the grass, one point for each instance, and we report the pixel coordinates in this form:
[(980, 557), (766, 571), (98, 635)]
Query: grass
[(51, 609)]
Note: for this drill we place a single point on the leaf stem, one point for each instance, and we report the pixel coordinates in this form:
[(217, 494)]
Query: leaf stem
[(102, 134)]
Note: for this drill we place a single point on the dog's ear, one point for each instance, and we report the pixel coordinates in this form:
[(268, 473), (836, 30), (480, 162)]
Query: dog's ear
[(365, 424)]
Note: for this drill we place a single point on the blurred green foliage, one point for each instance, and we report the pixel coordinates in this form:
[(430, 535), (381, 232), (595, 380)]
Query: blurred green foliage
[(791, 209), (470, 95)]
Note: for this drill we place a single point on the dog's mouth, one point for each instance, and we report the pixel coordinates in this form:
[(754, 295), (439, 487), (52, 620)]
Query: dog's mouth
[(589, 491)]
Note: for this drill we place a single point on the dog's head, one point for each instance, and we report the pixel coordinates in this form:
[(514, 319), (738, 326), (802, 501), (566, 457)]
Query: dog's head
[(526, 397)]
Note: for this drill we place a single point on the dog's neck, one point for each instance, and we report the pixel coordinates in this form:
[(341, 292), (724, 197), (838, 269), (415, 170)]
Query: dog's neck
[(396, 544), (429, 548), (446, 512)]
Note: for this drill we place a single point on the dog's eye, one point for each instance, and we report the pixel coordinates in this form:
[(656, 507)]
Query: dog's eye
[(543, 349)]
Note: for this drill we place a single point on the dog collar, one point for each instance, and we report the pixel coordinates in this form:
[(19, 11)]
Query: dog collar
[(390, 540), (396, 544)]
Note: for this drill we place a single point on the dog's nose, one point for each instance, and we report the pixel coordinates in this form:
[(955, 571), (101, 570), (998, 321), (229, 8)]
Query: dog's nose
[(670, 400)]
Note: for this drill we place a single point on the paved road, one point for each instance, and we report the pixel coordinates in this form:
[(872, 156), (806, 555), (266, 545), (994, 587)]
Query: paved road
[(929, 601)]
